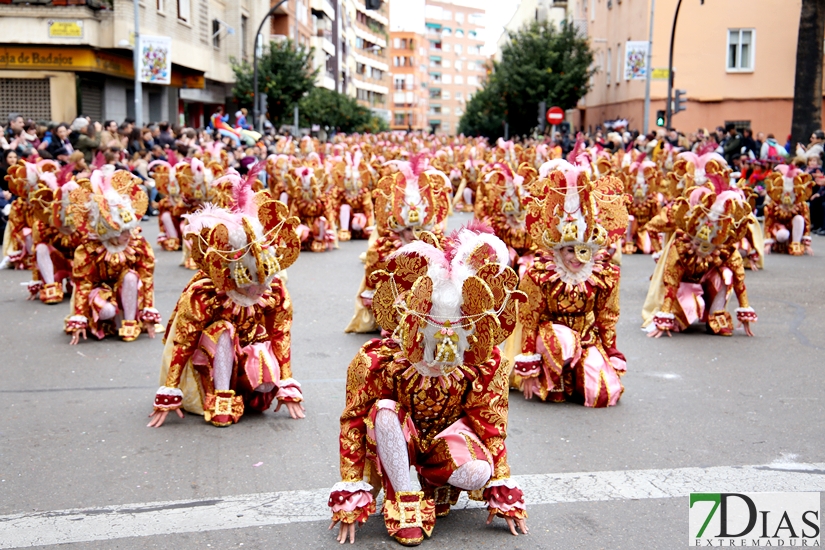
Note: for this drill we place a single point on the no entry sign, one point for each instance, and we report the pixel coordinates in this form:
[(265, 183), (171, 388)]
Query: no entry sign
[(555, 115)]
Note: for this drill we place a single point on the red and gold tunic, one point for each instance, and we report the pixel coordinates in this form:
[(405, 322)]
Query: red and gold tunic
[(61, 245), (95, 268), (590, 310), (201, 308), (21, 221), (477, 393)]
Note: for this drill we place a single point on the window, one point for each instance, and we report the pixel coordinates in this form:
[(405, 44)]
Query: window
[(435, 93), (446, 63), (216, 34), (458, 49), (458, 65), (446, 31), (445, 110), (458, 112), (244, 36), (447, 79), (471, 34), (459, 33), (609, 63), (445, 47), (183, 10), (619, 63), (435, 109), (447, 15), (445, 95), (459, 17), (459, 79), (472, 81), (159, 5), (740, 50), (459, 96)]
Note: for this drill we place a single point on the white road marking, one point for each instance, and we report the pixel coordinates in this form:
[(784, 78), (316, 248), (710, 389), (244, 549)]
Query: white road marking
[(253, 510)]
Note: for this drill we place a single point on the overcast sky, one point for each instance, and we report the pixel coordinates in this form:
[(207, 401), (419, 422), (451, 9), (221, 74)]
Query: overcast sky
[(409, 15)]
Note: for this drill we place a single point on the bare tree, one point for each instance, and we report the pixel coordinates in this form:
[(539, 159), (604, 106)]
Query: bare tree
[(807, 93)]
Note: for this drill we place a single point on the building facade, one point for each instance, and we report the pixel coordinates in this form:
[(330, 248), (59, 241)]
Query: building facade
[(368, 69), (735, 59), (410, 95), (59, 60), (528, 11), (456, 64)]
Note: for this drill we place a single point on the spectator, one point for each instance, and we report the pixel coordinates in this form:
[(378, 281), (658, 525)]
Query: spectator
[(814, 148), (733, 143), (15, 126), (136, 144), (772, 151), (749, 143), (7, 159), (165, 138), (59, 141), (109, 137), (87, 141), (148, 135), (760, 139), (816, 201)]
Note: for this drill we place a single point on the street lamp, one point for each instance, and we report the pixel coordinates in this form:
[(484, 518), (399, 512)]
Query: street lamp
[(255, 110), (668, 108)]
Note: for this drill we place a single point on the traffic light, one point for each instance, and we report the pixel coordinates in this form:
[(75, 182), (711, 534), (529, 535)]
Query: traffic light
[(660, 118), (680, 101), (373, 4)]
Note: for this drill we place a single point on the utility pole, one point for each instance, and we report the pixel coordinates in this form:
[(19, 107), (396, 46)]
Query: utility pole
[(649, 69), (138, 85), (669, 107), (256, 112)]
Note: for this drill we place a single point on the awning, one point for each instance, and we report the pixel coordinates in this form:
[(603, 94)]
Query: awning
[(112, 63)]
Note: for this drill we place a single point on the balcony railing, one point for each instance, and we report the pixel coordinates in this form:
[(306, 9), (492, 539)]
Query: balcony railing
[(93, 4)]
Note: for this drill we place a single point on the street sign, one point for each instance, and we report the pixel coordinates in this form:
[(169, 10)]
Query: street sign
[(555, 115), (658, 74)]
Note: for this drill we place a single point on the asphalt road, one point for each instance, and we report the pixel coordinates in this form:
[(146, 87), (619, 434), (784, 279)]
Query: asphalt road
[(73, 435)]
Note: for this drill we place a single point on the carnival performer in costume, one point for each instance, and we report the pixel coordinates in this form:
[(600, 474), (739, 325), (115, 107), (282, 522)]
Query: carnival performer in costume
[(642, 183), (227, 344), (701, 264), (113, 270), (410, 200), (195, 179), (55, 238), (787, 216), (351, 197), (569, 321), (434, 395), (507, 198), (277, 170), (309, 202), (18, 244), (173, 206)]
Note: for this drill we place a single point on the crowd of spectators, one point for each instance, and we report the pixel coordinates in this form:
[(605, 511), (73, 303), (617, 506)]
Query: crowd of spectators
[(87, 143)]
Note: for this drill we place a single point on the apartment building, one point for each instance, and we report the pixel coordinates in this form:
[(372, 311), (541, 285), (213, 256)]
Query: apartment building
[(736, 60), (528, 11), (410, 96), (456, 64), (367, 69), (324, 37), (59, 60), (293, 20)]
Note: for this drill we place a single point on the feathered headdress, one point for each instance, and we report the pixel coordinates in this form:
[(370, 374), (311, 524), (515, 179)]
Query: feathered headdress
[(567, 208), (788, 186), (246, 243), (108, 206), (448, 307)]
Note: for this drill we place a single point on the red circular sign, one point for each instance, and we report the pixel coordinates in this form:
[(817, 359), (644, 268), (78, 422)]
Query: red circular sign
[(555, 115)]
